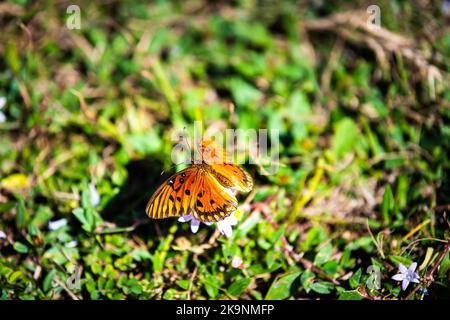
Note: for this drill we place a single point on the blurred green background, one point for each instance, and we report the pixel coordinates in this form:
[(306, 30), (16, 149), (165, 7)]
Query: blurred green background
[(363, 115)]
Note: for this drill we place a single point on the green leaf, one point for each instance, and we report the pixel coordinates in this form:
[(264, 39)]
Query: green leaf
[(212, 286), (16, 275), (323, 255), (145, 143), (47, 284), (136, 289), (387, 204), (79, 214), (42, 216), (307, 279), (322, 287), (170, 294), (277, 235), (345, 137), (22, 215), (445, 265), (20, 247), (244, 93), (280, 288), (12, 56), (238, 287), (355, 279), (399, 259), (184, 284), (350, 295)]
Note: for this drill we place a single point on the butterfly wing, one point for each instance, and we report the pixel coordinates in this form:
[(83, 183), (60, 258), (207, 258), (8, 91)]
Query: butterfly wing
[(174, 198), (228, 174), (233, 176), (213, 201), (192, 190)]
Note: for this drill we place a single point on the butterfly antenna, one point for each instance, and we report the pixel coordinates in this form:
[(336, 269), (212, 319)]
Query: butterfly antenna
[(171, 167), (189, 145)]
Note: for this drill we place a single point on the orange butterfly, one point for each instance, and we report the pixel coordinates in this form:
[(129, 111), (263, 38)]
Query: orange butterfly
[(206, 190)]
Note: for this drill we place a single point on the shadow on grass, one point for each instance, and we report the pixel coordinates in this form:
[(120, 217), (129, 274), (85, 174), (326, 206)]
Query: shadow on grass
[(128, 206)]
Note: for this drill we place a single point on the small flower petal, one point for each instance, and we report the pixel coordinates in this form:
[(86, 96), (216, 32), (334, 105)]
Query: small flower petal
[(54, 225), (195, 224), (2, 117), (236, 262), (412, 267), (405, 284), (71, 244), (446, 7), (185, 218), (398, 277), (2, 234), (416, 280), (402, 268), (225, 228), (2, 102), (232, 220), (95, 197)]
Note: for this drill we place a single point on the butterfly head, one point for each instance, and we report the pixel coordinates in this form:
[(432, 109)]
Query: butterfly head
[(211, 152)]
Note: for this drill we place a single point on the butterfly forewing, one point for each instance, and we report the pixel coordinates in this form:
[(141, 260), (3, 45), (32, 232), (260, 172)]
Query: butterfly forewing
[(174, 197), (194, 190)]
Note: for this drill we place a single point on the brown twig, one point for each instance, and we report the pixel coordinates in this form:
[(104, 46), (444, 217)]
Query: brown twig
[(352, 26), (69, 292), (191, 282), (429, 277)]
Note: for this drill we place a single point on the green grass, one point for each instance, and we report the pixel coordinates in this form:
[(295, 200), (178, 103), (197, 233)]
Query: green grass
[(364, 167)]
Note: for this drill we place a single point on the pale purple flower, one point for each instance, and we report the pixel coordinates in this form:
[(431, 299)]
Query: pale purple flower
[(2, 104), (95, 197), (407, 275), (54, 225), (446, 7), (2, 234)]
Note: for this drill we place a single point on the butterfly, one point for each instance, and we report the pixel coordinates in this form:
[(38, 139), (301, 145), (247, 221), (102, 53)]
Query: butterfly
[(207, 189)]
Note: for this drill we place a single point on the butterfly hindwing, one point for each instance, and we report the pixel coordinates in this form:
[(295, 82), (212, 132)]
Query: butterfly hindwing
[(233, 176), (213, 201)]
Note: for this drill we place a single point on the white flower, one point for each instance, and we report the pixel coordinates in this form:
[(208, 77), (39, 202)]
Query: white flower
[(237, 262), (95, 197), (53, 225), (2, 235), (2, 104), (72, 244), (225, 225), (195, 224), (407, 275)]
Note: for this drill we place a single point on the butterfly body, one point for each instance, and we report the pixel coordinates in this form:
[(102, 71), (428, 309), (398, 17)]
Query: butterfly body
[(206, 189)]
